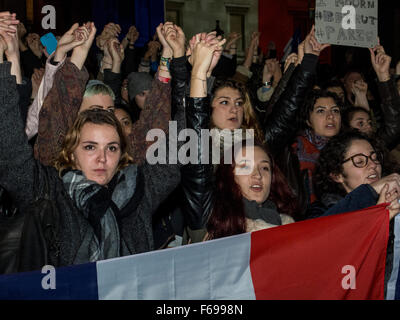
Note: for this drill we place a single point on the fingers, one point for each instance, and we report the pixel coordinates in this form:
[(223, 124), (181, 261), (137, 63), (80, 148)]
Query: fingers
[(112, 29), (92, 30), (382, 194), (6, 36), (393, 181), (292, 58), (219, 45), (3, 46), (73, 28), (9, 23)]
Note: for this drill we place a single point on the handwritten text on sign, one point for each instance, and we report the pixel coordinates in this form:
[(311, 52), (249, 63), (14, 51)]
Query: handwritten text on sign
[(347, 22)]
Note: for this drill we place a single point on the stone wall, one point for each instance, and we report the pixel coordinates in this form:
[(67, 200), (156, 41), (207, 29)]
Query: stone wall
[(201, 15)]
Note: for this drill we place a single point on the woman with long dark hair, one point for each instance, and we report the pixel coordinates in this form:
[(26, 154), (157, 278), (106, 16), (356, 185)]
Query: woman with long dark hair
[(250, 194)]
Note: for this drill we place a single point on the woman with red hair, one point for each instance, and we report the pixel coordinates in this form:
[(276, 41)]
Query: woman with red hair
[(250, 194)]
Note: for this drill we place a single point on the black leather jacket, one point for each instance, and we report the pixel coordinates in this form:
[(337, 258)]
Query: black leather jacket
[(280, 129), (389, 133)]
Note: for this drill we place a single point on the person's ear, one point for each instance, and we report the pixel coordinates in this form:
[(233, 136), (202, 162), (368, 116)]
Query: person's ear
[(72, 157), (338, 178)]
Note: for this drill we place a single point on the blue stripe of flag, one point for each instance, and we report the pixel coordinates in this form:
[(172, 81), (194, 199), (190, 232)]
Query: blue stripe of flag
[(77, 282)]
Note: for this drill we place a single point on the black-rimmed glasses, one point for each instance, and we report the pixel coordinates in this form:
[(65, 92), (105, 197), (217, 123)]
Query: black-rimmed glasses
[(361, 160)]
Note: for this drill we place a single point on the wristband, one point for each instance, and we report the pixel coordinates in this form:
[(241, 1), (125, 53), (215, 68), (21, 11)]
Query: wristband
[(165, 62), (163, 79), (265, 89)]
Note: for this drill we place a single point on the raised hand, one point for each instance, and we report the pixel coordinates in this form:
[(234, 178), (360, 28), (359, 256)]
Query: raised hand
[(133, 35), (151, 53), (71, 39), (116, 50), (175, 37), (270, 67), (202, 56), (33, 41), (117, 53), (212, 39), (11, 41), (311, 44), (167, 50), (12, 53), (87, 33), (380, 62), (292, 58), (233, 37), (360, 90), (255, 39), (130, 37), (8, 22), (21, 30), (111, 30)]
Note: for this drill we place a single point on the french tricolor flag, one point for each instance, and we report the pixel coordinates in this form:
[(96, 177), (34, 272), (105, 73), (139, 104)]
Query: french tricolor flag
[(336, 257)]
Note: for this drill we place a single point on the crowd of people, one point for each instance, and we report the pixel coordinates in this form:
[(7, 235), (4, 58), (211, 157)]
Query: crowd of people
[(74, 140)]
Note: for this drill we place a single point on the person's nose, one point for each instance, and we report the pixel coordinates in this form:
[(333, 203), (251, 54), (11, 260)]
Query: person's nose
[(371, 163), (102, 156), (330, 114), (256, 173), (233, 109)]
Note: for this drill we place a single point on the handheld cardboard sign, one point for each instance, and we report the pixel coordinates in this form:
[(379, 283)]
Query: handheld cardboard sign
[(347, 22)]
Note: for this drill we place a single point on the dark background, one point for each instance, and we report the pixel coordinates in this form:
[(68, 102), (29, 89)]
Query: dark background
[(146, 14)]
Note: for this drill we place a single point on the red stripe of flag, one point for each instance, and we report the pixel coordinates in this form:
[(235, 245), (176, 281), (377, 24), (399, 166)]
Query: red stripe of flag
[(307, 260)]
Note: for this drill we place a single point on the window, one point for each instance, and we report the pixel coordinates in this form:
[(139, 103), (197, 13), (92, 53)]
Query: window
[(173, 12), (237, 22), (237, 25)]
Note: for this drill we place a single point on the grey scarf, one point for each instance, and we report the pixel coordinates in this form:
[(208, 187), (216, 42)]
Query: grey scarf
[(266, 211), (100, 206)]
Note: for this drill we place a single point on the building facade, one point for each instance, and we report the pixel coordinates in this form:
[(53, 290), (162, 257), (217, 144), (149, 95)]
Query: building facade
[(196, 16)]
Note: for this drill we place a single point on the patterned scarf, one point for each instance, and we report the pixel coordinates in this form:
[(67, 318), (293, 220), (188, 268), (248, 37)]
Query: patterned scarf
[(307, 148), (100, 206)]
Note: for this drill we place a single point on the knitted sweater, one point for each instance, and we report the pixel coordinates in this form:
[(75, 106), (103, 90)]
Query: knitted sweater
[(62, 104), (24, 178)]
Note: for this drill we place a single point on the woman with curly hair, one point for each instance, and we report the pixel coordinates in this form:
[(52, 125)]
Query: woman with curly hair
[(349, 176), (319, 121)]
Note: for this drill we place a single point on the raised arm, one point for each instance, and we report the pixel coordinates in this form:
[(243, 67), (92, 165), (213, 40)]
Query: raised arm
[(16, 161), (280, 126), (12, 53), (197, 179), (63, 102), (157, 110), (132, 59), (390, 99), (112, 74)]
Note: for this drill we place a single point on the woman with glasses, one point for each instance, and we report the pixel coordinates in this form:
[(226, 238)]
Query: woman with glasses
[(349, 176)]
